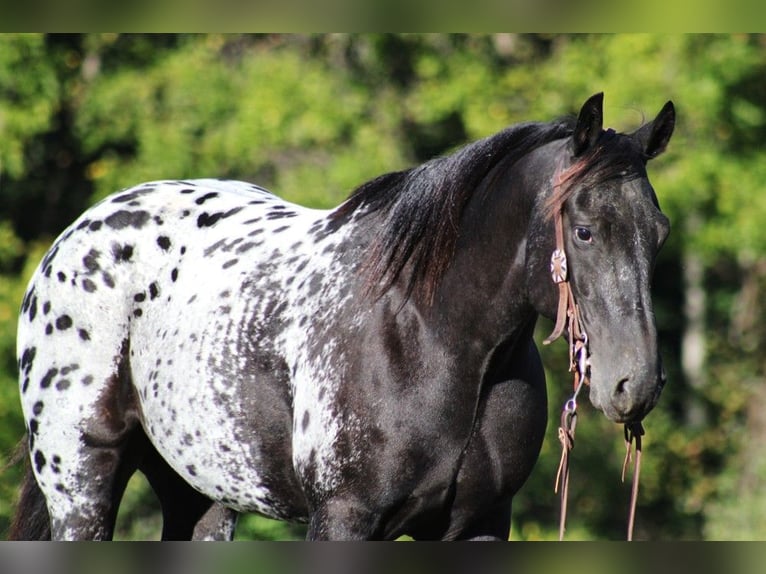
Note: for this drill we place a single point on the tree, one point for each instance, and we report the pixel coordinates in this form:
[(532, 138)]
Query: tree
[(313, 116)]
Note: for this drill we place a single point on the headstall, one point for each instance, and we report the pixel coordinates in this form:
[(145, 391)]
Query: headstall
[(568, 315)]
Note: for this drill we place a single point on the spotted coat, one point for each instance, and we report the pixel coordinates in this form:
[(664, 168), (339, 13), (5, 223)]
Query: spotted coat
[(168, 293)]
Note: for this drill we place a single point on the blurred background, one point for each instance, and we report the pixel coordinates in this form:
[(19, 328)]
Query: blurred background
[(313, 116)]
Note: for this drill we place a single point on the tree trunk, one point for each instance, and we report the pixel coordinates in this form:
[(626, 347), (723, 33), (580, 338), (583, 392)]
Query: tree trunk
[(693, 350)]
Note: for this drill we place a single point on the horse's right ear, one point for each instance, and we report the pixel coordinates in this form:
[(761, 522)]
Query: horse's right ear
[(655, 135), (589, 124)]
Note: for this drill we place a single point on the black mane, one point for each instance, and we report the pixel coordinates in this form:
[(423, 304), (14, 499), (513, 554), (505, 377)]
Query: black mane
[(422, 206)]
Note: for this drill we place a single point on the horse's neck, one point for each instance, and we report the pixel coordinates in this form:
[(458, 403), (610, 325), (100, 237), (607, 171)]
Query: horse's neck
[(485, 288)]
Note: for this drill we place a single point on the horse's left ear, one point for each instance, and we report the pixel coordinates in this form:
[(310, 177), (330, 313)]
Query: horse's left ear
[(589, 124), (655, 135)]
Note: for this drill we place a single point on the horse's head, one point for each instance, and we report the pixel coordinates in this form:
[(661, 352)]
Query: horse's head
[(611, 230)]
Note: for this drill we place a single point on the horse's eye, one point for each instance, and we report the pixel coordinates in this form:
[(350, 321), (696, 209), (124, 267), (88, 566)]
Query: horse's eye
[(583, 234)]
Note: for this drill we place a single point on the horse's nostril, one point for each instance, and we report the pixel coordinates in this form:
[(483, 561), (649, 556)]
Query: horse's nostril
[(620, 388)]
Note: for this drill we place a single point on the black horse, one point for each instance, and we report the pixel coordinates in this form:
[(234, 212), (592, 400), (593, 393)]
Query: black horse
[(368, 369)]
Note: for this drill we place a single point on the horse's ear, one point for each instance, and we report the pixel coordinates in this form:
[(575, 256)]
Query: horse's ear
[(655, 135), (589, 124)]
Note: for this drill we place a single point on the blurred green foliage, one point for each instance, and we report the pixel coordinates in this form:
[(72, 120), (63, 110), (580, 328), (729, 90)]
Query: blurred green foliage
[(313, 116)]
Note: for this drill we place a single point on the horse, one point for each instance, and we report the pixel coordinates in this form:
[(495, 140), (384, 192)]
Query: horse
[(369, 370)]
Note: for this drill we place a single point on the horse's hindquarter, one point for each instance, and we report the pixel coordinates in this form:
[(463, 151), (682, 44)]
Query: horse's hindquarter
[(188, 290)]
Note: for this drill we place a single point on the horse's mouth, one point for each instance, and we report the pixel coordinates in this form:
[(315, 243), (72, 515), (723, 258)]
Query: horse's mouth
[(621, 408)]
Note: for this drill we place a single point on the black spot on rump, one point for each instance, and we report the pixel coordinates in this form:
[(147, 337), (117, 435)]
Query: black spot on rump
[(88, 285), (206, 219), (39, 461), (27, 299), (123, 218), (212, 248), (96, 225), (63, 323), (90, 261), (245, 247), (204, 198), (37, 408), (122, 253), (48, 259), (84, 335), (33, 308), (47, 379), (27, 358), (69, 368), (132, 195), (154, 291), (280, 214), (163, 242), (174, 275)]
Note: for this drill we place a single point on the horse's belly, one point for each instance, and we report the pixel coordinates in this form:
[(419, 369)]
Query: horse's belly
[(205, 445)]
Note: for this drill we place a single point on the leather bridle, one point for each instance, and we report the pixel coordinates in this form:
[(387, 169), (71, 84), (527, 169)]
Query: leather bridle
[(568, 315)]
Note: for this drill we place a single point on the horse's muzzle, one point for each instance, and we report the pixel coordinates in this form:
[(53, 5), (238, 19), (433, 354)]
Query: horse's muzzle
[(630, 397)]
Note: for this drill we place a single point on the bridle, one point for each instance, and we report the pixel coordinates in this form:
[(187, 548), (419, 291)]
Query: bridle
[(568, 315)]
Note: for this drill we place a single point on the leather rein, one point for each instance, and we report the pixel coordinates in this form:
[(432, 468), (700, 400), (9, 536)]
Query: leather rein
[(568, 316)]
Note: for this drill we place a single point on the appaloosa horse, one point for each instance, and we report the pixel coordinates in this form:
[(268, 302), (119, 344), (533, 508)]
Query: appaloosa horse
[(369, 369)]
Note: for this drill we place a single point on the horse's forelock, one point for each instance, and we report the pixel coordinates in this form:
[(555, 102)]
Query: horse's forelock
[(613, 156)]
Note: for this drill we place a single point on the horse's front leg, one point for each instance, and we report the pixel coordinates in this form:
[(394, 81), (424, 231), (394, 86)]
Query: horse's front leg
[(493, 527)]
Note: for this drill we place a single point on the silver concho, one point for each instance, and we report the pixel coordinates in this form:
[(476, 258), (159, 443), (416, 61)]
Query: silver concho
[(559, 266)]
